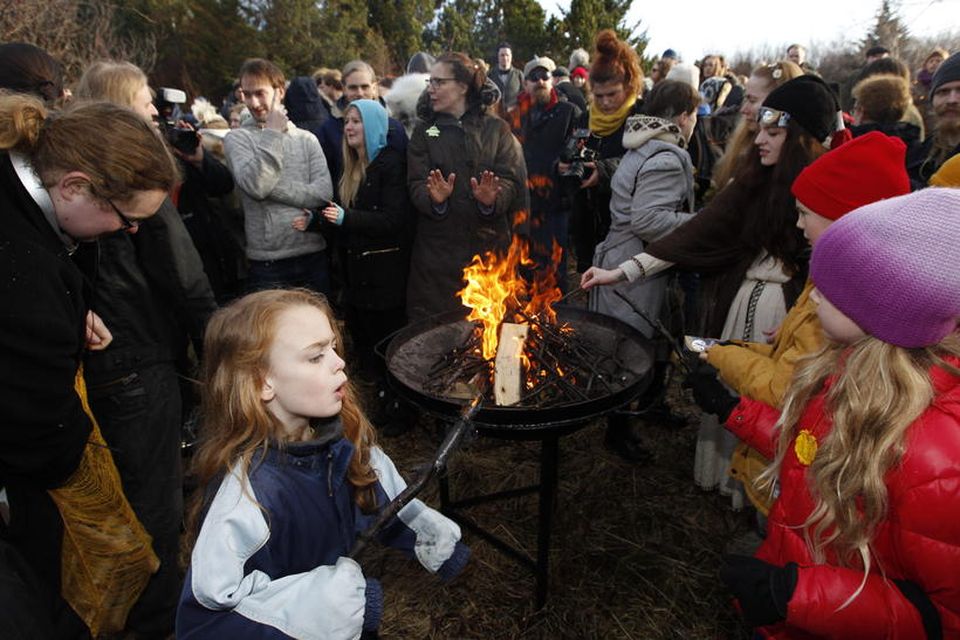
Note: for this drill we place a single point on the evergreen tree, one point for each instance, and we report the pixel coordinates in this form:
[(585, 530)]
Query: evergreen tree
[(402, 24), (888, 31), (586, 17)]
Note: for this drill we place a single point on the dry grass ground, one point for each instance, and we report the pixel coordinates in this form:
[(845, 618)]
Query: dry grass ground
[(635, 554)]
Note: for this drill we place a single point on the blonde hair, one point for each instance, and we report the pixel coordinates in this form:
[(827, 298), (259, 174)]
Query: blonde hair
[(118, 151), (236, 424), (741, 140), (354, 168), (116, 82), (880, 390)]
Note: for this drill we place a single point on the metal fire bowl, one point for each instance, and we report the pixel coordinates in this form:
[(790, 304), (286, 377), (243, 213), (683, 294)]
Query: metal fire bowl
[(413, 349)]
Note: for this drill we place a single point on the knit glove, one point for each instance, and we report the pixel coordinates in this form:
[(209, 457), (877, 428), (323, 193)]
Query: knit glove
[(710, 393), (763, 589)]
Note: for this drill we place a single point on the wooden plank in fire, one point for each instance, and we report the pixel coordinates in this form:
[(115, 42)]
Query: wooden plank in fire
[(508, 370)]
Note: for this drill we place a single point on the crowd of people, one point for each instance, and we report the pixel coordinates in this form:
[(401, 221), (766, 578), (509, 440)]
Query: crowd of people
[(146, 245)]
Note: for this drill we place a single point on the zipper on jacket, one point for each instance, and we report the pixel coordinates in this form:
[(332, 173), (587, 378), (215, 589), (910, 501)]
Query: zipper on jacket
[(330, 473), (372, 252)]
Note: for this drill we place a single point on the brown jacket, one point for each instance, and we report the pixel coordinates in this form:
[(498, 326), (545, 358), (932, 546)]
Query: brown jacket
[(447, 240)]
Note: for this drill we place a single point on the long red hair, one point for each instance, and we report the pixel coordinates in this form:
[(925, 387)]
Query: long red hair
[(236, 424)]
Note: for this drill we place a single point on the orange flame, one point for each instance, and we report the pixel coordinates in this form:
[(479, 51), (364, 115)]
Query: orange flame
[(495, 289)]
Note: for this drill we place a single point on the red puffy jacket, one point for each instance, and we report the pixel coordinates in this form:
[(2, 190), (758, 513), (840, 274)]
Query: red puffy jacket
[(918, 541)]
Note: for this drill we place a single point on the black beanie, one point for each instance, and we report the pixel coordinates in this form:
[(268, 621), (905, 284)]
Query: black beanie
[(948, 71), (810, 104)]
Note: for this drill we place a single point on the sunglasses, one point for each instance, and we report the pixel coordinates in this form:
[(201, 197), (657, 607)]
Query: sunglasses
[(772, 117), (538, 75)]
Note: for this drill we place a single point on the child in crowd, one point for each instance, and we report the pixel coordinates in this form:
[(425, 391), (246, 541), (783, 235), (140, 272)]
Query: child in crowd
[(859, 172), (863, 539), (289, 474)]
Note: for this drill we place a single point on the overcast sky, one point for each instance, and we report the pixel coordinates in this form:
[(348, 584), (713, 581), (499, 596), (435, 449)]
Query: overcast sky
[(728, 26)]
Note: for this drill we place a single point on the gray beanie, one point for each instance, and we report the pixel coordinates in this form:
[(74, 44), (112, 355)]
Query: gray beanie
[(948, 71)]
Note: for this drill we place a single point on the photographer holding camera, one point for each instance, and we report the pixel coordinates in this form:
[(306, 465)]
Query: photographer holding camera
[(616, 81), (205, 181), (543, 122)]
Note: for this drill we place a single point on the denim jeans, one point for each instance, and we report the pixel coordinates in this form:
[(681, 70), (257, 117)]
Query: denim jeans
[(311, 271)]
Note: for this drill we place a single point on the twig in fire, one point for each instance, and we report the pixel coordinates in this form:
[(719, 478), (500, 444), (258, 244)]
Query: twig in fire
[(559, 369)]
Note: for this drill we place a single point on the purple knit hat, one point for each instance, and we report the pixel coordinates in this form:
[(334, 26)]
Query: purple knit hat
[(893, 267)]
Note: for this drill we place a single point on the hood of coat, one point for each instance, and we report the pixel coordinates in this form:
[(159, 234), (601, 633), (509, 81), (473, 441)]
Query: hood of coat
[(375, 126), (303, 101)]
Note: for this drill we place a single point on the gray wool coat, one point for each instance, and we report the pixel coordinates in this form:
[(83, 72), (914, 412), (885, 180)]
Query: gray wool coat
[(652, 195)]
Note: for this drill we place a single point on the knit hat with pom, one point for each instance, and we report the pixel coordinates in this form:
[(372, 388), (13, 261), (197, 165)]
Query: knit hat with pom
[(891, 267), (864, 170)]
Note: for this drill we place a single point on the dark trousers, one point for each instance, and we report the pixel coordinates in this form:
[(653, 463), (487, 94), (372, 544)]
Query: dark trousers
[(36, 535), (139, 416), (311, 271), (367, 327)]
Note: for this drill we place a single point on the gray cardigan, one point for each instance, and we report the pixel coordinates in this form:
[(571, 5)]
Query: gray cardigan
[(279, 175)]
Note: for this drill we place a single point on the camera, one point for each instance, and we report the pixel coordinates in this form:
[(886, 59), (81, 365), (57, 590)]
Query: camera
[(168, 103), (575, 152)]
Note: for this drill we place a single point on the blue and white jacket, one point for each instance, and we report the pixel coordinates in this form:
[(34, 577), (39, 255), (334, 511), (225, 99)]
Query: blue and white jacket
[(282, 570)]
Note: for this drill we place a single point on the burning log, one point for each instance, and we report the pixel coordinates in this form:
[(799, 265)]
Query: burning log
[(508, 370)]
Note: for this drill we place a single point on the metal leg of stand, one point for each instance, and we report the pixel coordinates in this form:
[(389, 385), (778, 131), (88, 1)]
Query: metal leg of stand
[(549, 454)]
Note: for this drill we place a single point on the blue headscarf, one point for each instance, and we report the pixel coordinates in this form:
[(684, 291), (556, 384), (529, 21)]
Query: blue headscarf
[(374, 118)]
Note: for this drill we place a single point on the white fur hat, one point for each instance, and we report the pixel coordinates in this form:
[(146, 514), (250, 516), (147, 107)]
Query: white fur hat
[(688, 73)]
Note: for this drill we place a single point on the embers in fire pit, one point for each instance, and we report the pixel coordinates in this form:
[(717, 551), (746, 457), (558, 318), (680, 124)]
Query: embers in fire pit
[(559, 366)]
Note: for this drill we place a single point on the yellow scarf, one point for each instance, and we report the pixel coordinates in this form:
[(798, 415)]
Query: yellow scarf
[(603, 124)]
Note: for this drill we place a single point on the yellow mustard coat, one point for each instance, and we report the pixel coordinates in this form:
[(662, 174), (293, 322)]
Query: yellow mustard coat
[(763, 372)]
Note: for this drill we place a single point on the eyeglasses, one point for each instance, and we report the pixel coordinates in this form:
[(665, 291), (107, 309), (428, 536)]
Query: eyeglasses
[(772, 117), (125, 222), (439, 82), (538, 75)]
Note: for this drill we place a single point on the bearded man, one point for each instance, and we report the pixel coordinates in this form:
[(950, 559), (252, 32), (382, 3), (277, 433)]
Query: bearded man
[(543, 121), (944, 143)]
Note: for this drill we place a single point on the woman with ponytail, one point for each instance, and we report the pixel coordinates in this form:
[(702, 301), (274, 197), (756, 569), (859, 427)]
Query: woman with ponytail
[(467, 181), (66, 179)]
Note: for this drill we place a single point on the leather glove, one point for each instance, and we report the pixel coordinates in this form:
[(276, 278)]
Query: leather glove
[(710, 393), (763, 589)]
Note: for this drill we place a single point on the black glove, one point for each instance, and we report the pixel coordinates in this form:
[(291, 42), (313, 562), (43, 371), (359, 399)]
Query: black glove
[(709, 392), (763, 589)]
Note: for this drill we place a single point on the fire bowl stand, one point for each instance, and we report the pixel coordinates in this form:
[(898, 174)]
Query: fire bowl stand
[(546, 488)]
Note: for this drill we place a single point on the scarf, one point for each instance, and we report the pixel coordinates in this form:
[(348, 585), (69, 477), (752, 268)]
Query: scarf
[(641, 129), (524, 106), (603, 124)]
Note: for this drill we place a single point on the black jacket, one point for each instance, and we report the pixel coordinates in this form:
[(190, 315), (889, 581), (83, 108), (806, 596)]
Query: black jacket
[(43, 303), (150, 289), (573, 94), (920, 166), (374, 240), (305, 107)]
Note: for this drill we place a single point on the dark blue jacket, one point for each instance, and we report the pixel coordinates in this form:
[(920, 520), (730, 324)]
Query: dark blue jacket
[(271, 557)]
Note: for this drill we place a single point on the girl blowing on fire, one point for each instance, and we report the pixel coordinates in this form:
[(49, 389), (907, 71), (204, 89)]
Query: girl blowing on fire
[(289, 474), (863, 540)]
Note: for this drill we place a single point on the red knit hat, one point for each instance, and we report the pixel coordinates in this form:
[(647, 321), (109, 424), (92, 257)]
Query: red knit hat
[(864, 170), (579, 72)]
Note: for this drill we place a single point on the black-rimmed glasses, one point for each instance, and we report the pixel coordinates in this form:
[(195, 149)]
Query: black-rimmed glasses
[(125, 222), (439, 82)]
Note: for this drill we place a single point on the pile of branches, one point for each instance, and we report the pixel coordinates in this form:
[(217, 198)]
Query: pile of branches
[(560, 368)]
